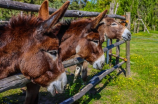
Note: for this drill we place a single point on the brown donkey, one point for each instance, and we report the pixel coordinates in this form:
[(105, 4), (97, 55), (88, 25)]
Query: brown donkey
[(26, 46)]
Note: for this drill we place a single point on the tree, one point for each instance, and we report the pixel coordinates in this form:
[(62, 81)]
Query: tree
[(97, 5)]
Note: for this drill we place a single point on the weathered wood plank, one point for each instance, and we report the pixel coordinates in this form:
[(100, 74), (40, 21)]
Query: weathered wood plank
[(117, 52), (16, 81), (128, 16), (35, 8), (113, 45)]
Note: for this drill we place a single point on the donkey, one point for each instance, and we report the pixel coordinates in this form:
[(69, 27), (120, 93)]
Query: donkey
[(26, 46)]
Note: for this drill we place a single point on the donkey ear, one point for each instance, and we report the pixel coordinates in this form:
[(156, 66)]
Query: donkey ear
[(54, 18), (97, 20), (43, 13), (59, 13)]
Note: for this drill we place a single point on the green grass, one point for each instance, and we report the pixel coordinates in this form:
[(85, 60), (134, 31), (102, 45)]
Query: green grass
[(140, 88)]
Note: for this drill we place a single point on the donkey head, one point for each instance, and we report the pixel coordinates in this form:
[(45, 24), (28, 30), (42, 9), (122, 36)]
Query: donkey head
[(41, 62), (113, 30), (90, 45)]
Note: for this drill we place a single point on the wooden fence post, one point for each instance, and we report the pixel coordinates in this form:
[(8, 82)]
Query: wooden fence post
[(109, 42), (107, 52), (110, 55), (128, 17), (117, 52)]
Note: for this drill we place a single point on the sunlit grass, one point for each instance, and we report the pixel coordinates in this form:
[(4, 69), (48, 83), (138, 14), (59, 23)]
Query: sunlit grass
[(142, 86)]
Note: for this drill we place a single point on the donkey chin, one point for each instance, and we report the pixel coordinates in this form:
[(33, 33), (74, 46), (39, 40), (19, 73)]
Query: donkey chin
[(126, 35), (58, 85), (99, 63)]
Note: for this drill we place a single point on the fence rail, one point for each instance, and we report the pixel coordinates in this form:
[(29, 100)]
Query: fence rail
[(35, 8), (91, 84)]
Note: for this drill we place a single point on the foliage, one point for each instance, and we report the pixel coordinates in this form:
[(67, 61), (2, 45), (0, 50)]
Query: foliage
[(141, 9), (144, 9), (97, 5)]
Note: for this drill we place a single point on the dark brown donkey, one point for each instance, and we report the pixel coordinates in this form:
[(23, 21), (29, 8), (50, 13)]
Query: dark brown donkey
[(28, 46)]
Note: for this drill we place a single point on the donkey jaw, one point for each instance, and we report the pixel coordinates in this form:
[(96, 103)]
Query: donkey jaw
[(99, 63), (126, 35), (58, 85)]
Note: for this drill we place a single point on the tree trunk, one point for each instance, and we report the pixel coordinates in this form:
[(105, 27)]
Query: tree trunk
[(138, 26)]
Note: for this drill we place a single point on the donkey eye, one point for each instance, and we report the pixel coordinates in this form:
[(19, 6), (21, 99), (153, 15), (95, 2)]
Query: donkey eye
[(53, 52), (113, 24), (96, 41)]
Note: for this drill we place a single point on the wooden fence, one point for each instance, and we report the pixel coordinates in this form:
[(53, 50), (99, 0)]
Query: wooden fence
[(35, 8), (19, 80)]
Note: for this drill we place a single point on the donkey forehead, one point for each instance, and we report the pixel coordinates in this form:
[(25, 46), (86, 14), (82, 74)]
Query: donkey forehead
[(108, 20), (93, 36), (50, 43)]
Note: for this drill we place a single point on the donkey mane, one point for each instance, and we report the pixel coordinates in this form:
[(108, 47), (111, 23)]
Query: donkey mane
[(20, 24), (74, 22), (25, 22)]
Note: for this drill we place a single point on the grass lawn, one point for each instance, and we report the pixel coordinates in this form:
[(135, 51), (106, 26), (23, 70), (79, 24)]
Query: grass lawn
[(140, 88)]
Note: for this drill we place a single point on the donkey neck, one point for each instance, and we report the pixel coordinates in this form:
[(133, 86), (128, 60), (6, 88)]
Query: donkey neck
[(68, 47)]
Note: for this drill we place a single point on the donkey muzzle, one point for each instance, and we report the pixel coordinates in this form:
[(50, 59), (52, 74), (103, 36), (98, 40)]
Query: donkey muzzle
[(58, 85), (126, 35), (99, 63)]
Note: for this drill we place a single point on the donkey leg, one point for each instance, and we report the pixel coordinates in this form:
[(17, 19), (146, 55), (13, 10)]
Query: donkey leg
[(32, 93), (84, 72), (77, 71)]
